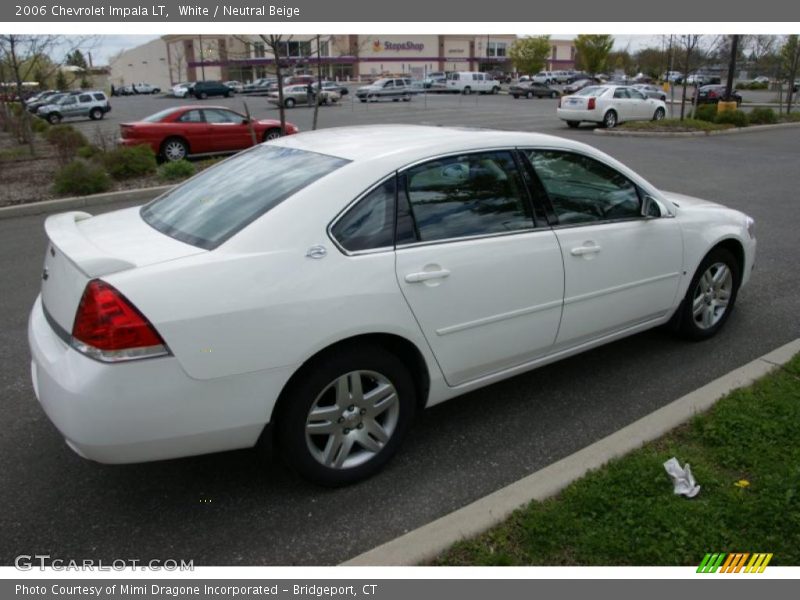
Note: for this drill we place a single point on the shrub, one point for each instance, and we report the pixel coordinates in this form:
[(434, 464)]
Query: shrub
[(175, 171), (81, 178), (66, 140), (39, 125), (762, 116), (88, 151), (753, 85), (125, 162), (706, 112), (732, 117)]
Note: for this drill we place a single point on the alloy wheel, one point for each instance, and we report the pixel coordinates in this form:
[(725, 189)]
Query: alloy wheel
[(712, 296)]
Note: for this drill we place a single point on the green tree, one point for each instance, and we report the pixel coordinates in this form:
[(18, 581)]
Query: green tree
[(61, 81), (650, 61), (790, 55), (592, 52), (76, 59), (528, 55)]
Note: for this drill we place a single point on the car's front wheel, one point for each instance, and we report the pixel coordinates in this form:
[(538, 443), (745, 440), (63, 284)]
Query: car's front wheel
[(659, 114), (272, 134), (345, 417), (96, 114), (54, 118), (711, 295)]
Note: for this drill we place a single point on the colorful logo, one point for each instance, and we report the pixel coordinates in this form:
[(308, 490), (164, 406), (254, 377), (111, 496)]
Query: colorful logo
[(734, 562), (376, 46)]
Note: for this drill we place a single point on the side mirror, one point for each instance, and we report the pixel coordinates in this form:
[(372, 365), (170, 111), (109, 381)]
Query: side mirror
[(650, 208)]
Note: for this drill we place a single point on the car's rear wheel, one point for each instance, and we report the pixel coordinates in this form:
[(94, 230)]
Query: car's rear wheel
[(495, 90), (96, 114), (711, 295), (202, 96), (610, 119), (272, 134), (174, 149), (407, 98), (289, 102), (573, 124), (345, 417), (467, 91), (659, 114)]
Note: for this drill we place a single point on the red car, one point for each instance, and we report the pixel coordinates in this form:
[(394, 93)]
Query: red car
[(175, 133)]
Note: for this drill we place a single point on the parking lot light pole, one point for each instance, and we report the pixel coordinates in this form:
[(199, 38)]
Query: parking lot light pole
[(731, 67)]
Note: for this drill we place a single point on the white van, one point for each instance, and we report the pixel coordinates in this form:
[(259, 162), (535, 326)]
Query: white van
[(467, 82)]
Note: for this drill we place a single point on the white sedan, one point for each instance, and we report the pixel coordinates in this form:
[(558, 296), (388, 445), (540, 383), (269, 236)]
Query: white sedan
[(317, 290), (609, 105)]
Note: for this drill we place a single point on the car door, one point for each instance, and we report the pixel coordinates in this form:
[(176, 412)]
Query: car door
[(623, 104), (227, 130), (192, 125), (621, 268), (642, 104), (83, 105), (68, 106), (484, 281)]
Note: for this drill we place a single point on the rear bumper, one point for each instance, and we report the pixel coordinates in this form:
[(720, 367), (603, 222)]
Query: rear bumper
[(567, 114), (144, 410)]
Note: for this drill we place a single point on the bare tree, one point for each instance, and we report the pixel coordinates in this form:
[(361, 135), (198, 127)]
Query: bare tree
[(318, 95), (689, 49), (790, 53), (27, 55), (277, 43)]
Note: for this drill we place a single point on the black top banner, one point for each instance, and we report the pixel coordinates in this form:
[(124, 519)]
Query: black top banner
[(166, 11)]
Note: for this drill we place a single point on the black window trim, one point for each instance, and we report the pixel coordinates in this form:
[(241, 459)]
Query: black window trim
[(640, 191), (511, 150)]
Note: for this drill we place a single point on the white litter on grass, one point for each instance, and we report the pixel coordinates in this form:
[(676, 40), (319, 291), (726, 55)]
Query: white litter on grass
[(682, 478)]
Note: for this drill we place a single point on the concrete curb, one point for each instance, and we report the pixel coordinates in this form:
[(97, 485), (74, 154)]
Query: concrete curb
[(734, 131), (427, 542), (64, 204)]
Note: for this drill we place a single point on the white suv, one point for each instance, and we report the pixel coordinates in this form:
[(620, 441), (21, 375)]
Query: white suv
[(544, 77), (92, 104)]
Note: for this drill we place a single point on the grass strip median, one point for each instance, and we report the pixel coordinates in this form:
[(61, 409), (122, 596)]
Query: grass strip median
[(745, 453)]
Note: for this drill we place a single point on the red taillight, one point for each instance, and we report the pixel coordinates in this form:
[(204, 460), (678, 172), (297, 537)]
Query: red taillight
[(712, 94), (108, 327), (591, 104)]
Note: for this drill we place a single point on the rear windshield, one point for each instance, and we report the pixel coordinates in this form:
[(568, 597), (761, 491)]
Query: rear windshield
[(592, 91), (211, 207), (159, 116)]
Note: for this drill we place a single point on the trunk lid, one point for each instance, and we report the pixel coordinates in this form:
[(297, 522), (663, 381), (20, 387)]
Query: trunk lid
[(82, 247)]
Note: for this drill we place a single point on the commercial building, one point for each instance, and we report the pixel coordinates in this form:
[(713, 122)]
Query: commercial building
[(175, 58)]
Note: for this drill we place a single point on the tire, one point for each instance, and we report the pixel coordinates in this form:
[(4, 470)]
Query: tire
[(96, 114), (407, 98), (659, 114), (495, 90), (289, 102), (554, 94), (174, 148), (202, 96), (364, 100), (227, 94), (610, 119), (516, 96), (529, 95), (272, 134), (54, 118), (700, 316), (350, 420), (467, 90), (573, 124)]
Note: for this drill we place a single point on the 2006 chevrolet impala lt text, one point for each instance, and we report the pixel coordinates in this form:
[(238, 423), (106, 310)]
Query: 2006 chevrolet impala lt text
[(323, 287)]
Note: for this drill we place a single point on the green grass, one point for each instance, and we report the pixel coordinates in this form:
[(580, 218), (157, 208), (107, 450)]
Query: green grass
[(670, 125), (626, 514)]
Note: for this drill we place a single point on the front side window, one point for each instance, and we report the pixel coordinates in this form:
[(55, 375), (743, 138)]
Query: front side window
[(370, 223), (191, 116), (85, 98), (215, 115), (583, 190), (211, 207), (468, 195)]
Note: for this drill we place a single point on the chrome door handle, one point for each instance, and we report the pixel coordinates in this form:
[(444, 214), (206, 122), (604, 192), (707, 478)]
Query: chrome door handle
[(427, 276), (581, 250)]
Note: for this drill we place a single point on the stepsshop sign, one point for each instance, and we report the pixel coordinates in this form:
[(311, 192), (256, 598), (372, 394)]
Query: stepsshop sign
[(377, 46)]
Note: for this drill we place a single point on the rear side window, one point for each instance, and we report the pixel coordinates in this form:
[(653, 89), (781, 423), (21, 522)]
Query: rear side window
[(469, 195), (210, 208), (85, 98), (369, 225), (99, 97)]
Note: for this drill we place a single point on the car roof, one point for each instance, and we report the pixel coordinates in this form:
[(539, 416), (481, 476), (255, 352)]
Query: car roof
[(409, 143)]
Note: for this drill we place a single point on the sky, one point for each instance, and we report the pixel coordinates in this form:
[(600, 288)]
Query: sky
[(109, 45)]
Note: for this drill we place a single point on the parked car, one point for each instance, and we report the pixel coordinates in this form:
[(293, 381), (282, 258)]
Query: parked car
[(182, 90), (299, 80), (298, 94), (394, 88), (712, 94), (206, 89), (651, 91), (258, 86), (467, 82), (178, 132), (34, 104), (532, 89), (546, 77), (282, 297), (673, 77), (578, 85), (561, 76), (92, 104), (578, 75), (609, 105), (236, 86), (144, 88), (332, 86)]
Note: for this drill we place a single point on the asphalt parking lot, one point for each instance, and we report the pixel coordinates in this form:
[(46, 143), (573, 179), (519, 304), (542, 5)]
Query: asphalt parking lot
[(233, 509)]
